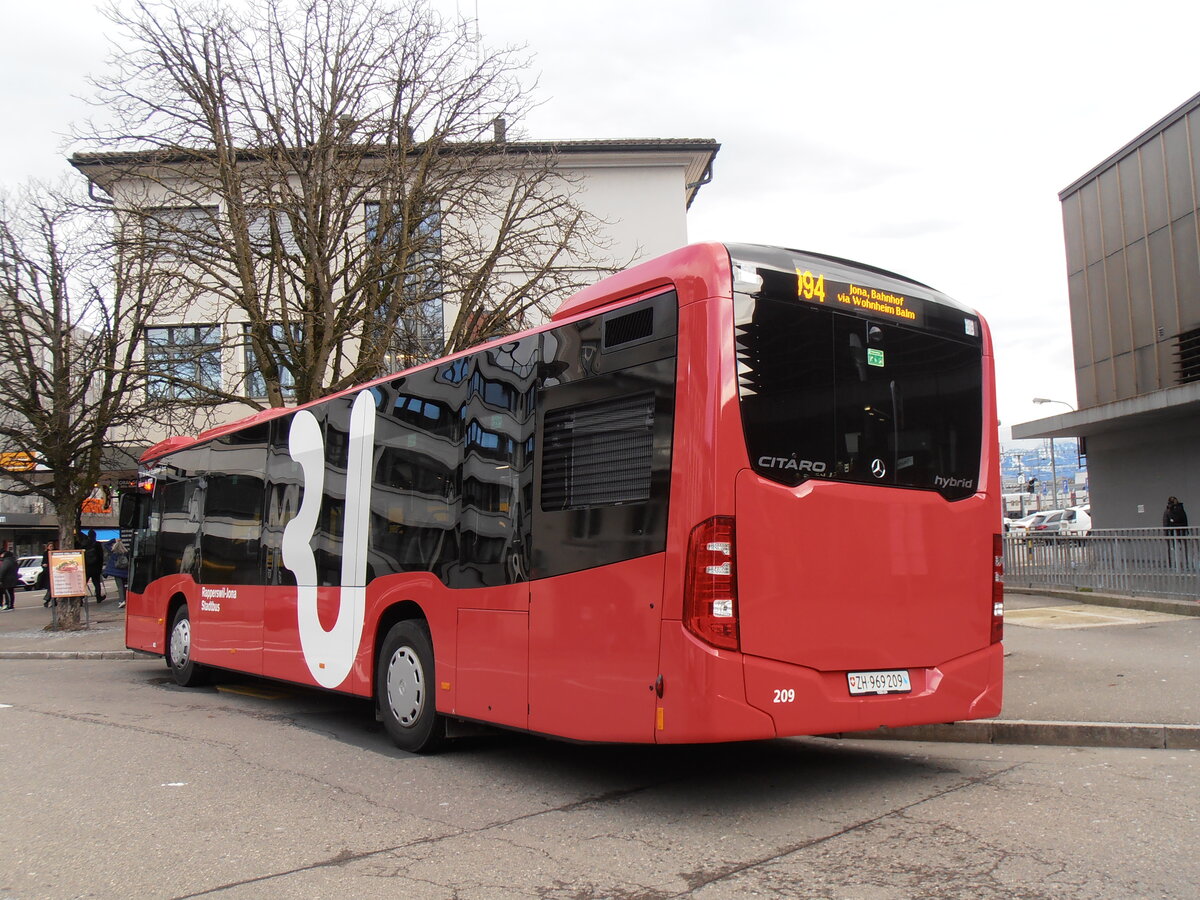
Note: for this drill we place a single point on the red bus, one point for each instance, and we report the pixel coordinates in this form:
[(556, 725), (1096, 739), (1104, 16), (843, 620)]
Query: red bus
[(737, 492)]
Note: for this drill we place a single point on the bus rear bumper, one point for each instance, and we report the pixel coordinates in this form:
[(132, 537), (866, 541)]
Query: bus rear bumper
[(806, 701), (711, 695)]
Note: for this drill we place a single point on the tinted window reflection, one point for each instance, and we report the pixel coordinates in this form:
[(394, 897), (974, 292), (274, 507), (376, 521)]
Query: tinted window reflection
[(828, 395), (233, 506)]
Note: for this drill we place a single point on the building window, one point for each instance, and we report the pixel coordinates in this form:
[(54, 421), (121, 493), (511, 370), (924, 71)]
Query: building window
[(271, 232), (186, 360), (420, 328), (176, 227), (255, 385)]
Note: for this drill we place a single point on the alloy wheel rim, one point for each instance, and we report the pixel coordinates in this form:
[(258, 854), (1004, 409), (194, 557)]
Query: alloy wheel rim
[(406, 686), (181, 643)]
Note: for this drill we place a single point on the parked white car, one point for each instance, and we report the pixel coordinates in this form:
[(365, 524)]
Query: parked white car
[(1077, 520), (28, 570)]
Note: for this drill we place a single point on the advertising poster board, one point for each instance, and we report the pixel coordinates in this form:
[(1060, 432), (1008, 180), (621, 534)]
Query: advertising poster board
[(68, 578)]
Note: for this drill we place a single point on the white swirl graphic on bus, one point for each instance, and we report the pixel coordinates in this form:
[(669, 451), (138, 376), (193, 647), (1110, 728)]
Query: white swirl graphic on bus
[(330, 654)]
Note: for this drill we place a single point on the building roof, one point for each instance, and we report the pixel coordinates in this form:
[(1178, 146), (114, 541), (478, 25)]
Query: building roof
[(1161, 125), (103, 168)]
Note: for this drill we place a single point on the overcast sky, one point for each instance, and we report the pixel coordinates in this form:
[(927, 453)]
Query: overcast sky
[(930, 138)]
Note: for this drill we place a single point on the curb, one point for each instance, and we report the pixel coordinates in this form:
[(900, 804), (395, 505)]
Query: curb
[(67, 654), (1132, 735), (1151, 604)]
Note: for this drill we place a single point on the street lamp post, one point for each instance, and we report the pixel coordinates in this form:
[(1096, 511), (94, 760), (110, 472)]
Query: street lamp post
[(1053, 467)]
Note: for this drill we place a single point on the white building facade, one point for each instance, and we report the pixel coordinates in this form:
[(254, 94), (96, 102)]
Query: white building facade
[(637, 190)]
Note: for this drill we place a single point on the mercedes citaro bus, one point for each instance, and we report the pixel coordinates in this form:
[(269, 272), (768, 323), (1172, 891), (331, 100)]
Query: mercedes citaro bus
[(734, 493)]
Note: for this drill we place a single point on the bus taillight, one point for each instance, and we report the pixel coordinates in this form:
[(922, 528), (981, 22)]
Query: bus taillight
[(710, 608), (997, 588)]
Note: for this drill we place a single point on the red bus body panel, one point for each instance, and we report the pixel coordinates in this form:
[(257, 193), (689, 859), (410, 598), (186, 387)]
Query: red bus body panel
[(593, 652)]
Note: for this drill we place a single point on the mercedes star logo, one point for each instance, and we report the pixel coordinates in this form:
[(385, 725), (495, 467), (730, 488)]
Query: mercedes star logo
[(878, 469)]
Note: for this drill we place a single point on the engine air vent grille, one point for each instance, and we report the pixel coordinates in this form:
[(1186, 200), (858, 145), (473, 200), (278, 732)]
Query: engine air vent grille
[(628, 328), (598, 454)]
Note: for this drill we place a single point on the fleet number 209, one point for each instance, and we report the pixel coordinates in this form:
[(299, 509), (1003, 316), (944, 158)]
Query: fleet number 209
[(785, 695)]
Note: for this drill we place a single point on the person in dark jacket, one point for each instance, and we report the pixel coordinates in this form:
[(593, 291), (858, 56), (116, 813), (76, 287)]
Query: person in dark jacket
[(8, 577), (43, 579), (1174, 516), (93, 563), (1175, 523)]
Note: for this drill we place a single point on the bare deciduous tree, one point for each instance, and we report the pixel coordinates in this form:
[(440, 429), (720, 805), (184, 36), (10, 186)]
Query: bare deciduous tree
[(334, 174), (75, 394)]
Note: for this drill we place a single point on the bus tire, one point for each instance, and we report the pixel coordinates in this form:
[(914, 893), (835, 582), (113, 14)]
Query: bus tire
[(404, 682), (187, 672)]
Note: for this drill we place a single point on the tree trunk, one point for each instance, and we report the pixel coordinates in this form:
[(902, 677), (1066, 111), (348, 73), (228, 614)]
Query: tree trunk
[(68, 615)]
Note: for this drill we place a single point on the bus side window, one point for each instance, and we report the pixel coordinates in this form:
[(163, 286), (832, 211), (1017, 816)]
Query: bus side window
[(604, 433)]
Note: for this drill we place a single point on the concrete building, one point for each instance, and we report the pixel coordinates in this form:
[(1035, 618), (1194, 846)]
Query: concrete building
[(1133, 274)]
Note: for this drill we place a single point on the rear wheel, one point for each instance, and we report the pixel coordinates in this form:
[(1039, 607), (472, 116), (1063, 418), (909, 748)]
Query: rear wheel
[(404, 682), (187, 672)]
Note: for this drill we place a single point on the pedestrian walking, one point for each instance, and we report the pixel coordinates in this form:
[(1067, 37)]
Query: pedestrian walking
[(93, 563), (8, 577), (117, 568), (43, 580)]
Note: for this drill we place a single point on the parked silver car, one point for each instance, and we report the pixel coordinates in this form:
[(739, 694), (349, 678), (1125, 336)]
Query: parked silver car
[(1021, 525), (1050, 522), (1075, 521)]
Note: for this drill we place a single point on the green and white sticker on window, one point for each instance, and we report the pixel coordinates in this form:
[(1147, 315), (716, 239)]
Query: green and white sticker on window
[(875, 358)]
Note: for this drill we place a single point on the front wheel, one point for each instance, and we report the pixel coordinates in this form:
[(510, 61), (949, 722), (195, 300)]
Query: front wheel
[(187, 672), (404, 682)]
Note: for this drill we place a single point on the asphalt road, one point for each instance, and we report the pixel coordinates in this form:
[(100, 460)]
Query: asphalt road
[(116, 783)]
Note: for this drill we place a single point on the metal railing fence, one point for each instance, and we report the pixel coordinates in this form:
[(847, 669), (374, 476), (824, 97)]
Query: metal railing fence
[(1131, 561)]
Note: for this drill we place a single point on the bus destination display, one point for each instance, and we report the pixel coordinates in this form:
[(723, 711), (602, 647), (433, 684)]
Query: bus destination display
[(814, 286)]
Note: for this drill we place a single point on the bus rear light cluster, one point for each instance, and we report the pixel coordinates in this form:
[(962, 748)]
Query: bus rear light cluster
[(997, 588), (710, 607)]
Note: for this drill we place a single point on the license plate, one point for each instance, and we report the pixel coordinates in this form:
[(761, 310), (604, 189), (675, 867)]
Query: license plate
[(894, 681)]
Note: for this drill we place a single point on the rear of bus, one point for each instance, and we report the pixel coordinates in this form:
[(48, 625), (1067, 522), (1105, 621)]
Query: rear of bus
[(836, 466)]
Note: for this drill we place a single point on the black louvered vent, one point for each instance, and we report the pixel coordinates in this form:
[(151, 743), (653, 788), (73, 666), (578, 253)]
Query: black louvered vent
[(630, 327), (1188, 350), (598, 454)]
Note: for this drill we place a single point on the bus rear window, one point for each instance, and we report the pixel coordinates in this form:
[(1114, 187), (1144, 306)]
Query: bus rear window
[(835, 396)]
